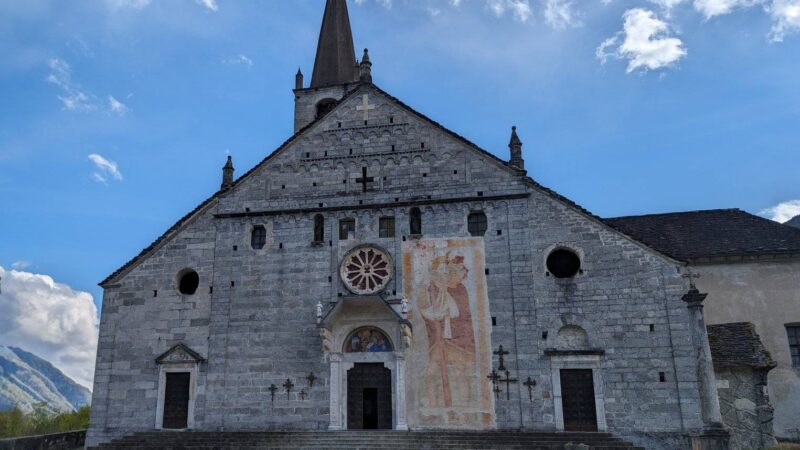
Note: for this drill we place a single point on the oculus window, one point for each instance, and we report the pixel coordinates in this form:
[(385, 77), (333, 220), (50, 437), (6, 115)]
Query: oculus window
[(188, 281), (563, 263)]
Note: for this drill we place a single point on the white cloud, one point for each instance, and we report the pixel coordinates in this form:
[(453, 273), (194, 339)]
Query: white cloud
[(128, 4), (786, 17), (559, 14), (209, 4), (646, 43), (72, 98), (51, 320), (21, 264), (116, 106), (520, 9), (104, 168), (385, 3), (239, 59), (782, 211), (712, 8), (667, 4)]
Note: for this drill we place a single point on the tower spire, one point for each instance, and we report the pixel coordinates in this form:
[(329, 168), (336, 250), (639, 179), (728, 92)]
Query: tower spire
[(336, 58)]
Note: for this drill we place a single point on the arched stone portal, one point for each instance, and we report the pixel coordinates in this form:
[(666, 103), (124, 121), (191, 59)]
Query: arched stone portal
[(365, 340)]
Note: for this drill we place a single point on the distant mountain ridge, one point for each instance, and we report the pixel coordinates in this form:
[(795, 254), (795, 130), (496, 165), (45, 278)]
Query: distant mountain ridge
[(26, 379), (794, 221)]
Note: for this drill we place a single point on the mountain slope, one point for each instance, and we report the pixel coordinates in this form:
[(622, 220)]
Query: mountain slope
[(794, 222), (26, 379)]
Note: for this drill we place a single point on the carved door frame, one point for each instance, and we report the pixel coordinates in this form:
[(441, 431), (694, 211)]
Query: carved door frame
[(192, 369), (341, 363), (558, 362)]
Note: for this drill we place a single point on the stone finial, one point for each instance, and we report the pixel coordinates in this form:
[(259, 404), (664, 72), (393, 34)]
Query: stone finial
[(227, 174), (515, 145), (298, 79), (365, 68)]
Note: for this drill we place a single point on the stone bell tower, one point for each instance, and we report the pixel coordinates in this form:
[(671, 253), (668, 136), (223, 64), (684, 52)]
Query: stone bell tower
[(336, 71)]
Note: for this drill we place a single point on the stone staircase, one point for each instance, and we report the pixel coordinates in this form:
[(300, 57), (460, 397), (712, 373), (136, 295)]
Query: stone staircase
[(363, 440)]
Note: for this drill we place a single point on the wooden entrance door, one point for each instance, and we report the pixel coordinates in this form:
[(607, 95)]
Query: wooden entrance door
[(369, 397), (176, 400), (577, 400)]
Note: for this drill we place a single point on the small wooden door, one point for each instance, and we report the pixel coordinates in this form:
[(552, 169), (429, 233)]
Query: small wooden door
[(577, 399), (176, 400)]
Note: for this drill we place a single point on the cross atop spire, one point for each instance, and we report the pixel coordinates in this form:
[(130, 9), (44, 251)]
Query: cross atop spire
[(336, 58)]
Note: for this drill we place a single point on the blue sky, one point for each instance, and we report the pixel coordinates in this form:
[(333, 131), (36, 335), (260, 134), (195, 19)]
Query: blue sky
[(117, 114)]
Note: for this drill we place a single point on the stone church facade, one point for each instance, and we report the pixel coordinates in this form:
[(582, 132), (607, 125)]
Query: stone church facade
[(380, 271)]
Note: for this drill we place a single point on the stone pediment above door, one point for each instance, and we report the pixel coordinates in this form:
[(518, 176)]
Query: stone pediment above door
[(179, 353)]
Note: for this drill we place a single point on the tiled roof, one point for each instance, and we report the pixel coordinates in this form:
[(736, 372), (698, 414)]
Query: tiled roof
[(737, 345), (689, 236)]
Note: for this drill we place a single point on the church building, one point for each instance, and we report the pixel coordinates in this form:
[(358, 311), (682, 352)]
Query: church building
[(380, 271)]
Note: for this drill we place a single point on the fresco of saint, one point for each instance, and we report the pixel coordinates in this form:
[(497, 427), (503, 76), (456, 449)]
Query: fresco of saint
[(450, 353), (444, 306)]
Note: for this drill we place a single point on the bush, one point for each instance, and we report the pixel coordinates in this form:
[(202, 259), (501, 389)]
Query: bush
[(42, 420)]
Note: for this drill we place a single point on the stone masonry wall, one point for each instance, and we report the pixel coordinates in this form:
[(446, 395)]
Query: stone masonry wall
[(745, 408), (257, 327)]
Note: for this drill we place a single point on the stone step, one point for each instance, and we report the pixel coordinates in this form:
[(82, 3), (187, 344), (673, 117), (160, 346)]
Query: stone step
[(357, 440)]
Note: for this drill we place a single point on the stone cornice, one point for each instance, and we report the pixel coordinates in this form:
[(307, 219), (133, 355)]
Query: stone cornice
[(400, 204)]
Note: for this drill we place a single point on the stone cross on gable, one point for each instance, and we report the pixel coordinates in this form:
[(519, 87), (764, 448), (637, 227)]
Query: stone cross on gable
[(364, 180), (365, 106)]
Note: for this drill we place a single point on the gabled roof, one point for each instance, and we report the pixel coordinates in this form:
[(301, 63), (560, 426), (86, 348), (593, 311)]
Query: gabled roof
[(738, 345), (716, 233), (362, 85)]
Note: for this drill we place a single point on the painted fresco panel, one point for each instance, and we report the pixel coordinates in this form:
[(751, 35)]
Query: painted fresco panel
[(451, 351)]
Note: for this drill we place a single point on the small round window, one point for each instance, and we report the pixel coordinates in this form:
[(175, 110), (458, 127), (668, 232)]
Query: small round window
[(563, 263), (188, 280)]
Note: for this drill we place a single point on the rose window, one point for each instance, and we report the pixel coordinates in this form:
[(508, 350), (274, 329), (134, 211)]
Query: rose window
[(366, 270)]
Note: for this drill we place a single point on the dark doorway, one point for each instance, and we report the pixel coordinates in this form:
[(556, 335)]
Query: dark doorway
[(176, 400), (370, 408), (369, 397), (577, 399)]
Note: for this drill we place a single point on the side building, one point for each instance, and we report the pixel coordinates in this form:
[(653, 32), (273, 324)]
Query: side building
[(750, 268)]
